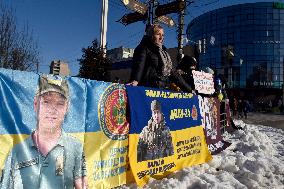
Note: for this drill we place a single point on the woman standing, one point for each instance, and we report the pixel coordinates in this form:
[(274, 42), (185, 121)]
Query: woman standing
[(152, 65)]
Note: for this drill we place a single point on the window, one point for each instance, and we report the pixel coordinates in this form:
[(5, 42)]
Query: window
[(230, 19), (269, 16), (250, 16), (276, 14), (230, 36)]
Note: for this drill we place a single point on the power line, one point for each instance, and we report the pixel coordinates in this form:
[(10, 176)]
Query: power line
[(131, 42), (117, 6), (206, 4), (116, 3), (130, 39)]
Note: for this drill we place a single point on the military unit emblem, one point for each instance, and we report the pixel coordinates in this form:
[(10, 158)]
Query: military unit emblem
[(112, 112), (194, 112)]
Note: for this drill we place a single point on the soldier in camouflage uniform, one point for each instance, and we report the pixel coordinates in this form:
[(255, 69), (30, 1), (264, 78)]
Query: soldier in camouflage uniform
[(49, 158), (155, 140)]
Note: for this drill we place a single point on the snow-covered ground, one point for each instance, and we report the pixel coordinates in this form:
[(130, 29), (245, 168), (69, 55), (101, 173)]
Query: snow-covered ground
[(254, 160)]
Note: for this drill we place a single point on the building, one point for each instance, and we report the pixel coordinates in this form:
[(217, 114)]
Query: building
[(121, 58), (120, 54), (244, 43), (121, 71), (58, 67)]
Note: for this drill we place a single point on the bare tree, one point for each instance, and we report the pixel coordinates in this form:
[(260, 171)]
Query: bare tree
[(18, 50)]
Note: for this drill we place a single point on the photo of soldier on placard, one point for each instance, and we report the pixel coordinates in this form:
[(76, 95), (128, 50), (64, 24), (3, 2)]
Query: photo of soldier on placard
[(49, 158), (211, 121), (155, 140)]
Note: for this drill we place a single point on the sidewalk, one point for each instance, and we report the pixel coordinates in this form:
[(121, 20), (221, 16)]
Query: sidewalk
[(267, 119)]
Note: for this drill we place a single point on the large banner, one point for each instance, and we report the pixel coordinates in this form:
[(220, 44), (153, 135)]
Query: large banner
[(165, 134), (61, 132), (210, 112)]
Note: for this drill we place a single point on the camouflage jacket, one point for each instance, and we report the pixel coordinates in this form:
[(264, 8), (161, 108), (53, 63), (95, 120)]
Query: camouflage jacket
[(155, 141)]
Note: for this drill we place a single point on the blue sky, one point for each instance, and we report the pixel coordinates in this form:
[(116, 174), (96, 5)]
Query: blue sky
[(63, 27)]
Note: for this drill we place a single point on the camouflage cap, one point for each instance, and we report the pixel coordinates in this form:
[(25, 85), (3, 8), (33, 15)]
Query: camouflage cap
[(53, 84), (155, 105)]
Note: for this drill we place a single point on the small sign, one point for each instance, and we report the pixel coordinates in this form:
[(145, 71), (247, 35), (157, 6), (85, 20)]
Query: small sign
[(278, 5), (203, 82), (263, 83)]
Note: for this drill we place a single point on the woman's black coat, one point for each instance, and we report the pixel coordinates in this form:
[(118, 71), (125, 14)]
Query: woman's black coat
[(147, 64)]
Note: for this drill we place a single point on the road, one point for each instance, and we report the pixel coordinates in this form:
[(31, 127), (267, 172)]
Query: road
[(266, 119)]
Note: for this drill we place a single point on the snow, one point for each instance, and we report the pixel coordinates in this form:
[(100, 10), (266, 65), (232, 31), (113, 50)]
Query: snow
[(254, 160)]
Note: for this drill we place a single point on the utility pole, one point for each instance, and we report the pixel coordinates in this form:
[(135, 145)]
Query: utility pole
[(104, 25), (180, 34), (153, 5), (151, 12)]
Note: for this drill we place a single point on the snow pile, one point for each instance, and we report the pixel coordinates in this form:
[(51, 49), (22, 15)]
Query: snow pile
[(254, 160)]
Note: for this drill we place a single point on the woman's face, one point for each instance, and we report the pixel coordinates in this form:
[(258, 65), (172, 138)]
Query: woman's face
[(158, 37)]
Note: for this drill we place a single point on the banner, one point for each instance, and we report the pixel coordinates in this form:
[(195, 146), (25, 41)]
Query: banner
[(210, 111), (60, 132), (203, 82), (165, 134), (230, 126)]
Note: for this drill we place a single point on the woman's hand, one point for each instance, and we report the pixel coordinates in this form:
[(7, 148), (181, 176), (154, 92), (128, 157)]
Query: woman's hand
[(133, 83)]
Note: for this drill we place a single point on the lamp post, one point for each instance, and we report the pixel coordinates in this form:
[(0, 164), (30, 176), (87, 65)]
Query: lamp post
[(104, 25)]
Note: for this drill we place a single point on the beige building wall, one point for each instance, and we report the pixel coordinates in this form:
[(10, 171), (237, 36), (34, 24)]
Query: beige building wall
[(58, 67), (120, 54)]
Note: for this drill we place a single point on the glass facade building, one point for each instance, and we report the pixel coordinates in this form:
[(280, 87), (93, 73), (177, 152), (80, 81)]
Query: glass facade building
[(244, 43)]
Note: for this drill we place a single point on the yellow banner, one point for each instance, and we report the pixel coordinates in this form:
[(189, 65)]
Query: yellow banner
[(190, 149), (106, 160)]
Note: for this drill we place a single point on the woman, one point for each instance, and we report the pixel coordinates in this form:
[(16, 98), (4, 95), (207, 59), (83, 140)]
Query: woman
[(152, 65)]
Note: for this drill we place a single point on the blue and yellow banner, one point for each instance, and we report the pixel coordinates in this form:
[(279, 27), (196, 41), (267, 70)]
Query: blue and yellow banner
[(165, 134), (94, 119)]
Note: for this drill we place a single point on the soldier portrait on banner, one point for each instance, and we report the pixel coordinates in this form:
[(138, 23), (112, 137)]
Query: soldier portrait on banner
[(155, 140), (49, 158)]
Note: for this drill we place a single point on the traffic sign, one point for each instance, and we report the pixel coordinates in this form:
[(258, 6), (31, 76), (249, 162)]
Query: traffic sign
[(135, 6), (166, 20), (133, 17), (173, 7)]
